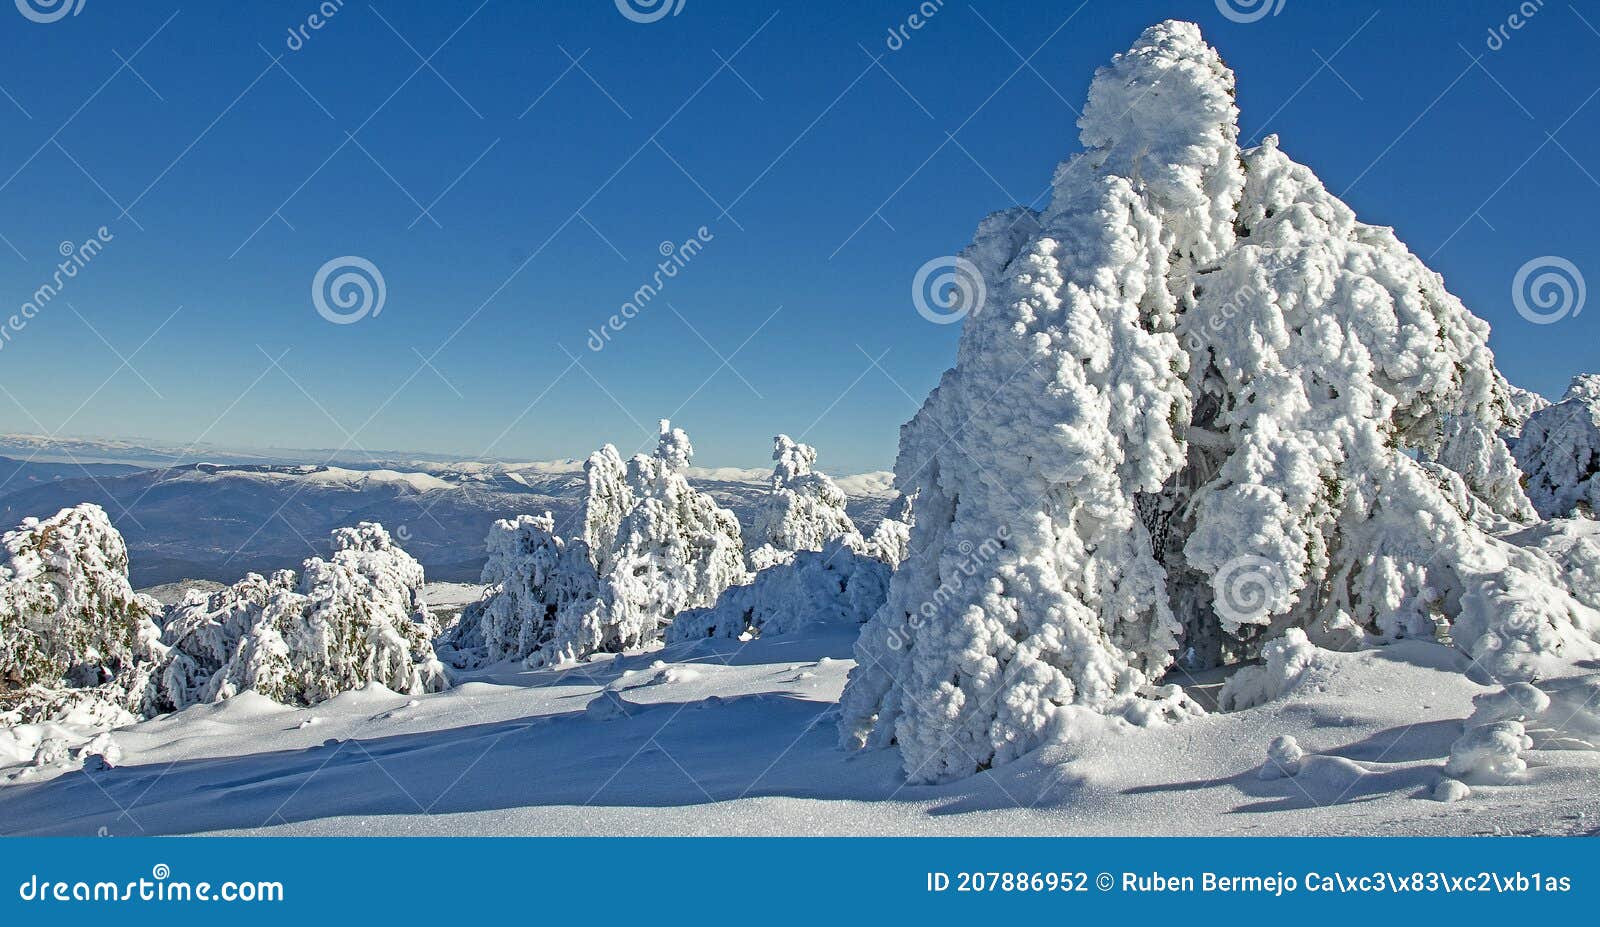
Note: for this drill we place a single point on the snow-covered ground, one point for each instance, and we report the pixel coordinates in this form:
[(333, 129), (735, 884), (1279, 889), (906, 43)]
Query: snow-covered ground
[(719, 737), (451, 595)]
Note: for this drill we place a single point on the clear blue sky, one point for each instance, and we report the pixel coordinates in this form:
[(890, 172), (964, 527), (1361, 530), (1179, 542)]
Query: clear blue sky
[(838, 177)]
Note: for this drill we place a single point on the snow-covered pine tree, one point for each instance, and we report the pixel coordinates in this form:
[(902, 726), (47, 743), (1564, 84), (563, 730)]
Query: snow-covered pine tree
[(1559, 450), (674, 549), (536, 580), (652, 546), (353, 619), (804, 509), (77, 644), (1189, 410), (608, 499)]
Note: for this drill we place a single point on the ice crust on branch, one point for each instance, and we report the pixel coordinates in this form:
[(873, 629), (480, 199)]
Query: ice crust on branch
[(1201, 405)]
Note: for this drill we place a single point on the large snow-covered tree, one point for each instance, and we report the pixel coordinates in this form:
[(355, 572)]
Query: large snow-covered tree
[(1201, 404), (1559, 450), (355, 618), (803, 510), (76, 642)]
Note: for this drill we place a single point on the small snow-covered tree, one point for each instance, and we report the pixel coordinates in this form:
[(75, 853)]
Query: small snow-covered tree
[(1200, 405), (804, 509), (834, 586), (652, 546), (535, 581), (76, 642), (353, 619), (1559, 450), (608, 499), (674, 549)]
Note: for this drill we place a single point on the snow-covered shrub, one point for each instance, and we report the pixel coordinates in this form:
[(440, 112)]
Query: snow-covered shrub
[(832, 586), (803, 511), (353, 619), (1284, 663), (1201, 403), (535, 582), (1559, 450), (76, 642), (674, 549), (1489, 753), (1284, 756)]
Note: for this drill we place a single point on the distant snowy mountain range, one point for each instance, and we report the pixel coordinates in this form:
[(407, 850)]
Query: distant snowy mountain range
[(239, 511)]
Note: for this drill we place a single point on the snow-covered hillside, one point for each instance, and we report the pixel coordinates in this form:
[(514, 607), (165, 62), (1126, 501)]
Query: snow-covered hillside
[(217, 521)]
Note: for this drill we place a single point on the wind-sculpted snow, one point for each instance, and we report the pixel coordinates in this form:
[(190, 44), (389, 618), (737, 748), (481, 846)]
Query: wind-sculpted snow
[(77, 644), (1202, 405), (1559, 450), (350, 621)]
